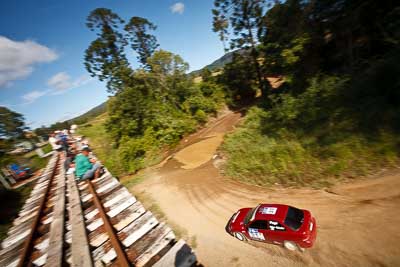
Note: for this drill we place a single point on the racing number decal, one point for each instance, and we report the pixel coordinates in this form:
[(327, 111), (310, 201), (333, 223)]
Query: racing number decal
[(255, 234), (268, 210)]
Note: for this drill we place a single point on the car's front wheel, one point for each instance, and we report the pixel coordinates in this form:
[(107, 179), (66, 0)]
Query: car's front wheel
[(290, 245), (240, 236)]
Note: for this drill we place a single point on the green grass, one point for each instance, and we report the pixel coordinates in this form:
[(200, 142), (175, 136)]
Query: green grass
[(292, 159), (30, 159), (102, 143), (47, 148), (150, 204), (12, 201), (257, 159), (35, 162), (119, 160), (130, 181)]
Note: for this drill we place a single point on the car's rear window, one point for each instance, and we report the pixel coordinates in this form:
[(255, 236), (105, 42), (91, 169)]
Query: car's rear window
[(294, 218)]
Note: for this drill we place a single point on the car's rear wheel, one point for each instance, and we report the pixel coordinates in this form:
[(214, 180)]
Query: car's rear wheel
[(290, 245), (240, 236)]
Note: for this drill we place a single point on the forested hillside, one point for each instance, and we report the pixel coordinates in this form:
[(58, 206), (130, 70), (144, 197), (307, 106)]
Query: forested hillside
[(44, 131), (89, 115), (336, 114), (217, 64)]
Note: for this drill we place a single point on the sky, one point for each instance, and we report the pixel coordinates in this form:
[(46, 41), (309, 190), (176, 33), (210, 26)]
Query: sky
[(42, 46)]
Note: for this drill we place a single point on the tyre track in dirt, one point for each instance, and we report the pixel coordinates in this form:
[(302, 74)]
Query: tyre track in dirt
[(357, 222)]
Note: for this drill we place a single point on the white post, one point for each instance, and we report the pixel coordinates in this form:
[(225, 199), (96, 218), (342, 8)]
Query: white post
[(4, 182), (39, 152)]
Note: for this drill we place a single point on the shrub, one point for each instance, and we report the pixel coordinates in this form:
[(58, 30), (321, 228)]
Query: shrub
[(262, 160), (200, 116), (194, 103), (308, 139)]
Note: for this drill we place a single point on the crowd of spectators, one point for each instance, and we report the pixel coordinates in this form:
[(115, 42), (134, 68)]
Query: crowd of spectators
[(79, 159)]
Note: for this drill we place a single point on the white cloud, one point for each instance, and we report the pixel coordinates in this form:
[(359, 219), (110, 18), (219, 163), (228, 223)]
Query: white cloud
[(18, 58), (62, 82), (59, 84), (178, 8), (33, 96), (81, 81)]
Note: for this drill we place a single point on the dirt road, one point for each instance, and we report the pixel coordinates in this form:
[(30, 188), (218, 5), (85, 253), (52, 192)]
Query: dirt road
[(358, 222)]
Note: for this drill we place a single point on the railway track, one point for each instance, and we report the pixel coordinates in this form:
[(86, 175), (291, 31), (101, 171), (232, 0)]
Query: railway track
[(88, 223), (29, 238)]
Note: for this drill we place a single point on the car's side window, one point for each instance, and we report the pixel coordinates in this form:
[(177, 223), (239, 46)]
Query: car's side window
[(259, 225), (275, 226), (255, 227)]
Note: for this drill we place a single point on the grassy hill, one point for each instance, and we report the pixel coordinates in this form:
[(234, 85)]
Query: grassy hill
[(217, 64), (91, 114)]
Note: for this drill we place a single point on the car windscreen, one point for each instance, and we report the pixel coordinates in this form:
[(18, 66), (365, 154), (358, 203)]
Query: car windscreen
[(248, 216), (294, 218)]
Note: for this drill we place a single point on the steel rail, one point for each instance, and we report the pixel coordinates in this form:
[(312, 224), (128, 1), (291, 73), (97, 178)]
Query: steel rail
[(28, 244), (121, 255), (55, 252)]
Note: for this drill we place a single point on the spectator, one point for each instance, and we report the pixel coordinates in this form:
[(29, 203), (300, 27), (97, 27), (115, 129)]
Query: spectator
[(86, 168), (54, 142), (64, 139)]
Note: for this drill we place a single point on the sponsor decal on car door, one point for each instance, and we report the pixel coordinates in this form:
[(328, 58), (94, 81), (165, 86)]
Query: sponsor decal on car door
[(256, 234)]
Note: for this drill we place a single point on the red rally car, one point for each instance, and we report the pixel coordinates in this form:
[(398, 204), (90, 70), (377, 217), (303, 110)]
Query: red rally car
[(274, 223)]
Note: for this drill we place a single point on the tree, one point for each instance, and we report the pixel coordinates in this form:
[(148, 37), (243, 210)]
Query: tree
[(127, 111), (42, 131), (12, 124), (288, 44), (245, 17), (206, 74), (141, 41), (105, 56), (239, 79), (221, 22), (170, 70), (167, 63)]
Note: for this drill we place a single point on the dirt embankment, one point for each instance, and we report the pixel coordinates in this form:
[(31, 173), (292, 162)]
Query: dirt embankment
[(357, 222)]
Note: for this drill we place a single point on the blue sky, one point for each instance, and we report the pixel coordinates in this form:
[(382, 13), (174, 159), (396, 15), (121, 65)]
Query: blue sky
[(42, 45)]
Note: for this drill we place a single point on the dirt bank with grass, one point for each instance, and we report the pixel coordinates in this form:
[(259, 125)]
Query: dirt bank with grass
[(357, 222)]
